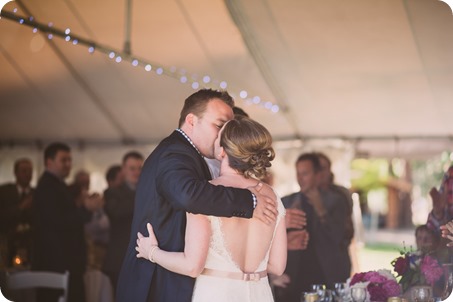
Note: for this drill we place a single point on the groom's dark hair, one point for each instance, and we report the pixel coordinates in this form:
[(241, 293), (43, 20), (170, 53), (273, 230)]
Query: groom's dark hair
[(197, 102)]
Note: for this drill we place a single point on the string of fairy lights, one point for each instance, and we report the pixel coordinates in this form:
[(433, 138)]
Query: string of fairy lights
[(195, 81)]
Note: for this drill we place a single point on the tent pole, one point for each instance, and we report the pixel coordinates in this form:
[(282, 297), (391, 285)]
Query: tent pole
[(127, 28)]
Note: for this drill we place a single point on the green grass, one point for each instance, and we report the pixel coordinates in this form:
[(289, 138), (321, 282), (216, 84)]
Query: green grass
[(385, 247)]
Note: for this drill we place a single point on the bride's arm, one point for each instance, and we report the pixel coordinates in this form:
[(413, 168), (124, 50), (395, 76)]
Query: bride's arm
[(277, 256), (190, 262)]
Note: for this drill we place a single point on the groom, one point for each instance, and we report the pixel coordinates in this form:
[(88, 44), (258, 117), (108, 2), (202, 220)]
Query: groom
[(174, 179)]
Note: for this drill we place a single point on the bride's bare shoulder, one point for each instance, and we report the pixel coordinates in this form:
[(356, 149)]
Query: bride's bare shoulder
[(268, 190)]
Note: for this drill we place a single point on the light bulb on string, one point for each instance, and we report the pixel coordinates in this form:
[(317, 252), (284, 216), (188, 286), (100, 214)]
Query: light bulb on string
[(195, 80), (206, 79), (243, 94)]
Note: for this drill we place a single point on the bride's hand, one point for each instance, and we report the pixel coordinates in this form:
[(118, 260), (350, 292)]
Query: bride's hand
[(144, 244)]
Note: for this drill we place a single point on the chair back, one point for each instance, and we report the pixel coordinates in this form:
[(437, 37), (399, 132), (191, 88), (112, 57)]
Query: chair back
[(36, 279)]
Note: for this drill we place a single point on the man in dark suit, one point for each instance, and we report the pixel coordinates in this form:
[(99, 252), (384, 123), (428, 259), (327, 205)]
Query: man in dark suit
[(174, 180), (15, 213), (59, 242), (119, 207), (321, 262)]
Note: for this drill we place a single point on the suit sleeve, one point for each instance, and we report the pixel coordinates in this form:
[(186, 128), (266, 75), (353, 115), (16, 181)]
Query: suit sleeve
[(334, 226), (55, 207), (180, 180)]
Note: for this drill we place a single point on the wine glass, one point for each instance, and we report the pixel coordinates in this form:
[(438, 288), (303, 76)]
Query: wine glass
[(319, 288), (421, 293), (358, 294), (339, 291)]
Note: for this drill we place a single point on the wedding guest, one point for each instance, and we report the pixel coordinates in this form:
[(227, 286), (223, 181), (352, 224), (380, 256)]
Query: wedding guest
[(321, 261), (59, 243), (442, 211), (119, 207), (426, 239), (342, 195), (114, 177), (15, 214)]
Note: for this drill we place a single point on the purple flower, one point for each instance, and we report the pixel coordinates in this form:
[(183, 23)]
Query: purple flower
[(431, 269), (381, 284), (375, 277), (391, 288), (358, 277), (377, 293)]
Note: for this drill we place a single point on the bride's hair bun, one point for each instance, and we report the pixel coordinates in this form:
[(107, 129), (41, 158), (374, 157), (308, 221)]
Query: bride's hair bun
[(248, 145)]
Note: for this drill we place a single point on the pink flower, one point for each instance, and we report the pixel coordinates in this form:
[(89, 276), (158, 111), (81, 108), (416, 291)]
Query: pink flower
[(377, 293), (358, 277), (391, 288), (375, 277), (381, 284), (431, 269)]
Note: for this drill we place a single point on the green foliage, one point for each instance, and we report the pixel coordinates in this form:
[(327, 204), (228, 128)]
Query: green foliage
[(369, 174), (429, 173)]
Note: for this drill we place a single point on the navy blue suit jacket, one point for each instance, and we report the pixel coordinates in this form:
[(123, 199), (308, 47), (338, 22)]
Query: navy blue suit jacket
[(174, 179)]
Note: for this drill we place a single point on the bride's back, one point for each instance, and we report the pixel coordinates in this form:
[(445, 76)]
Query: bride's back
[(246, 240)]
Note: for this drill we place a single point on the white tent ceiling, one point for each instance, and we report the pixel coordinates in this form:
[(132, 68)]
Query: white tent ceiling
[(378, 74)]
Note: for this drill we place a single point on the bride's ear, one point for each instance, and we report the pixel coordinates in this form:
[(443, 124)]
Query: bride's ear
[(221, 154)]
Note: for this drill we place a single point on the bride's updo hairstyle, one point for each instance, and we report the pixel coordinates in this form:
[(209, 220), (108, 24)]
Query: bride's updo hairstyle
[(248, 145)]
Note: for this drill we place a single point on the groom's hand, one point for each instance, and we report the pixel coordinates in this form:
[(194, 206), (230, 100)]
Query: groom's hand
[(266, 207)]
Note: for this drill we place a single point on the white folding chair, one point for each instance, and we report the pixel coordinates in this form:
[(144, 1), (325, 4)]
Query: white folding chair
[(38, 279)]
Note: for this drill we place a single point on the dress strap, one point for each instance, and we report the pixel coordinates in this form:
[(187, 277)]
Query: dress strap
[(235, 275)]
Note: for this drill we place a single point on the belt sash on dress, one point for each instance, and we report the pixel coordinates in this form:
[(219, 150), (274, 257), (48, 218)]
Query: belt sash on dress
[(235, 275)]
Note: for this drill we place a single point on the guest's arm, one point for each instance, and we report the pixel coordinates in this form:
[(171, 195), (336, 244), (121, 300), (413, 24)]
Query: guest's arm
[(190, 262), (447, 232)]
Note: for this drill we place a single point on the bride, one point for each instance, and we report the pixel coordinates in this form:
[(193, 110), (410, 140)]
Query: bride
[(230, 257)]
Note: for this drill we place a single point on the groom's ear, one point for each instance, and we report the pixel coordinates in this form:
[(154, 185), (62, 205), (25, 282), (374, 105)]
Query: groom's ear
[(191, 119)]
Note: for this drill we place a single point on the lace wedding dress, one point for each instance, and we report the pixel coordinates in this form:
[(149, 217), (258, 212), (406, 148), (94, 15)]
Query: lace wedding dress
[(225, 288)]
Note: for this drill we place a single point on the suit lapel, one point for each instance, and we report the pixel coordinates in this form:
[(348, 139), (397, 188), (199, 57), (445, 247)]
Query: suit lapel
[(197, 156)]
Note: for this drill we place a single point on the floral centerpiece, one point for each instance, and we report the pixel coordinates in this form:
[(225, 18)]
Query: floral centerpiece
[(380, 285), (416, 268)]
